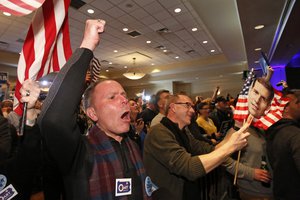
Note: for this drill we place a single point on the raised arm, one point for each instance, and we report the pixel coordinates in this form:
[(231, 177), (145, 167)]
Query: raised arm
[(58, 116)]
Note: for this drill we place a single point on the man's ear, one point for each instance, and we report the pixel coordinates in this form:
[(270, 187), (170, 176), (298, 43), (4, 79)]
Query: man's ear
[(91, 113), (172, 107), (286, 109), (159, 103)]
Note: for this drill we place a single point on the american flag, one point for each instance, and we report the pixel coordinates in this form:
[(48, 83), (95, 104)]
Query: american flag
[(20, 7), (241, 110), (272, 115), (47, 45)]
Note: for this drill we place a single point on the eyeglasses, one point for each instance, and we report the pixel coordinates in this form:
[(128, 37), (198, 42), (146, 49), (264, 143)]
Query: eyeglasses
[(188, 105)]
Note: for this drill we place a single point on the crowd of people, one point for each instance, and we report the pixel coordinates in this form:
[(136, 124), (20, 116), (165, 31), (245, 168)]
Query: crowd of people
[(129, 150)]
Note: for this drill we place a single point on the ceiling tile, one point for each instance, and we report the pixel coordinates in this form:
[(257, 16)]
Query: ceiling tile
[(143, 2), (128, 6), (161, 15), (127, 19), (102, 5), (183, 18), (115, 12), (183, 34), (169, 3), (149, 20), (105, 17), (116, 2), (139, 13), (154, 6), (80, 17), (156, 26)]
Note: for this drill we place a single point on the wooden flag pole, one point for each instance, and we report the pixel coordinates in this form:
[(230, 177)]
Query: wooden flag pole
[(249, 120)]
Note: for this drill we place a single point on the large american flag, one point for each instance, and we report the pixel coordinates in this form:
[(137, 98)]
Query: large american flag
[(20, 7), (47, 45), (272, 115)]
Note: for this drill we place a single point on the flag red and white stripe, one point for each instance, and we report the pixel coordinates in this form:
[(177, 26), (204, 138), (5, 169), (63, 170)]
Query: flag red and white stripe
[(47, 45), (20, 7), (241, 110)]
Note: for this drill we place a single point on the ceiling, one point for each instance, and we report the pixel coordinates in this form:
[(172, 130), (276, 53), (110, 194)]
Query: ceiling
[(227, 26)]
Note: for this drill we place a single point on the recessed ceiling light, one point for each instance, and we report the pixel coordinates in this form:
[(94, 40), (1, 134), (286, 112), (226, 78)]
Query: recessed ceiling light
[(91, 11), (107, 70), (165, 50), (125, 29), (155, 71), (259, 27), (177, 57), (148, 41), (204, 42), (212, 50), (152, 64), (177, 10), (115, 51), (194, 29), (6, 14), (197, 78), (257, 49), (256, 61), (125, 67), (110, 63)]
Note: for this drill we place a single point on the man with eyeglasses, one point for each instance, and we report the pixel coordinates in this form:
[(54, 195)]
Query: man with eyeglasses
[(173, 158)]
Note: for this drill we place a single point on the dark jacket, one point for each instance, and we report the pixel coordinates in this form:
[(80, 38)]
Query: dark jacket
[(22, 166), (283, 149), (67, 148)]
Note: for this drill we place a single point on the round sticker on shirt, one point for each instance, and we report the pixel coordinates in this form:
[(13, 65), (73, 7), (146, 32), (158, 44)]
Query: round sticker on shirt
[(3, 182), (149, 186)]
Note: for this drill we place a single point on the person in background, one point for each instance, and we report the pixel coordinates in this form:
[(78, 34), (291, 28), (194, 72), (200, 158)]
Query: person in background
[(174, 158), (136, 132), (6, 107), (149, 113), (140, 104), (221, 114), (20, 163), (283, 148), (160, 102), (206, 123), (250, 183)]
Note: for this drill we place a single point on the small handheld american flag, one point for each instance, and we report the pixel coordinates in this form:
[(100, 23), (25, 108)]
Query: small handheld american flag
[(241, 110), (272, 115)]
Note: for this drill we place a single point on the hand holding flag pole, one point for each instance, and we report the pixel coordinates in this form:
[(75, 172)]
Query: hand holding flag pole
[(23, 120), (30, 92), (249, 121)]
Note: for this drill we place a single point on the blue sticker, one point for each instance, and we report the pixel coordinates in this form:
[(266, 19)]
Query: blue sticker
[(3, 181), (150, 187)]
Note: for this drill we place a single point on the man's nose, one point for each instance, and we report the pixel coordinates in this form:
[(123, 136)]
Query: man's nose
[(192, 109), (124, 100), (256, 98)]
